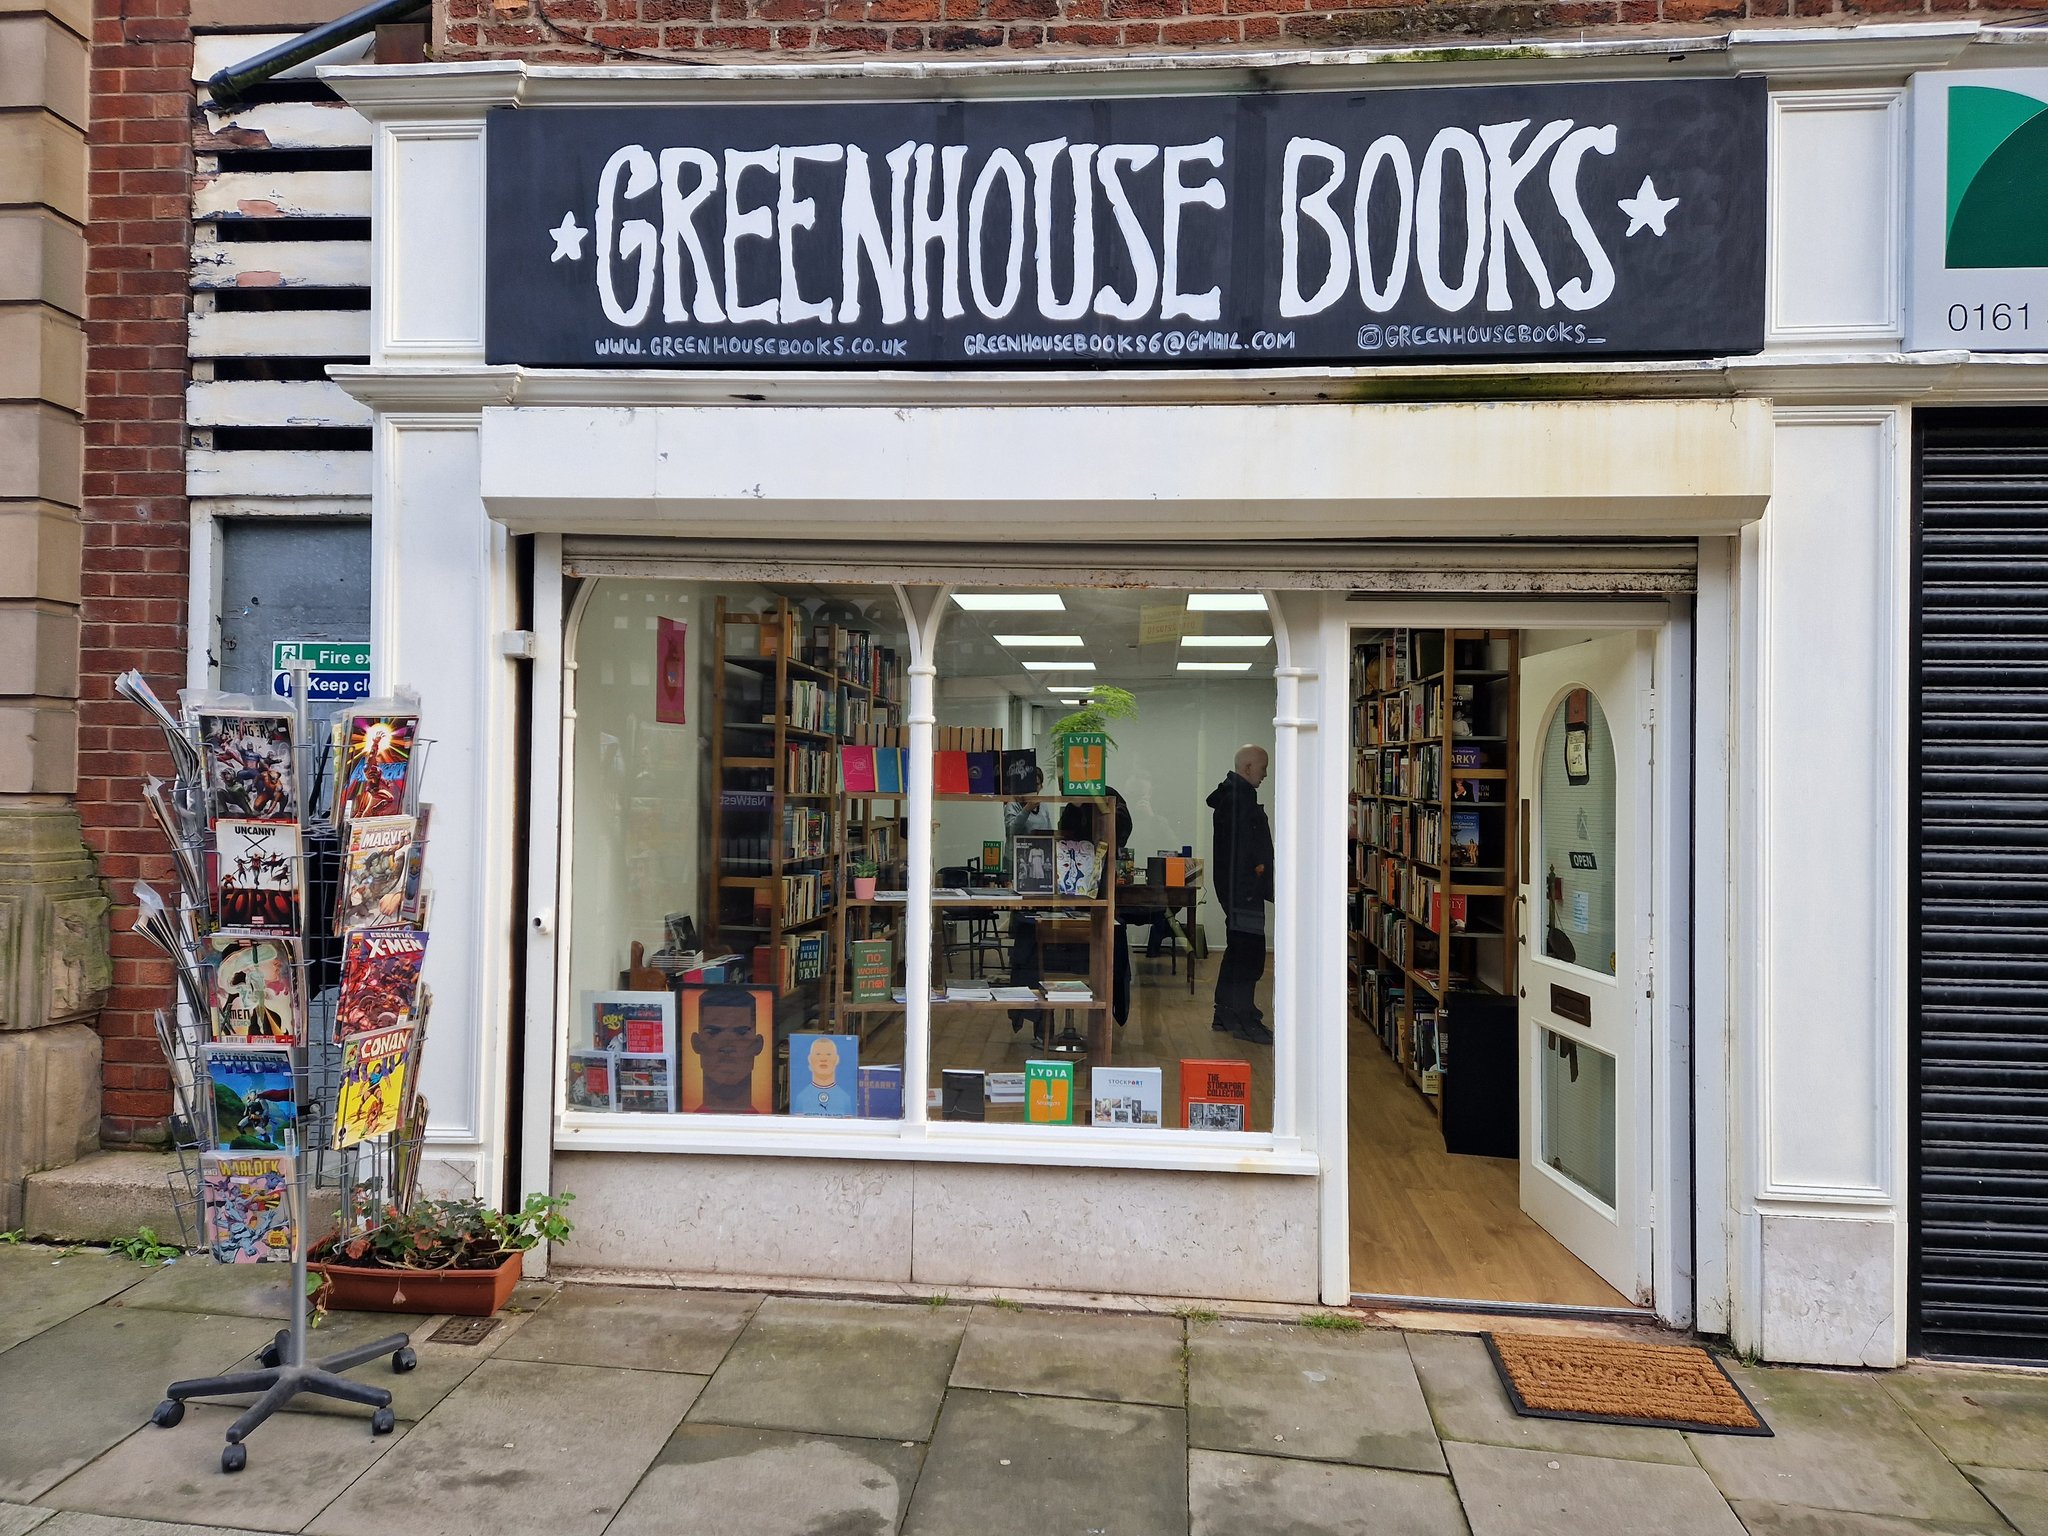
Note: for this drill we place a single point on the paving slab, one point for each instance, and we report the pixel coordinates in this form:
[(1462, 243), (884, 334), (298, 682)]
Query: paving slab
[(1554, 1493), (1984, 1418), (1004, 1464), (1231, 1495), (73, 1523), (1111, 1356), (1840, 1441), (220, 1290), (519, 1447), (866, 1369), (2022, 1497), (1276, 1389), (441, 1369), (645, 1329), (713, 1481), (1791, 1520), (298, 1465), (44, 1285), (94, 1379), (20, 1519), (1468, 1402)]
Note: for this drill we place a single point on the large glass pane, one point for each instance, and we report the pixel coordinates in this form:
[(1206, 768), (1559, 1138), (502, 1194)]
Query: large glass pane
[(737, 804), (1575, 810), (1091, 745), (1577, 1137)]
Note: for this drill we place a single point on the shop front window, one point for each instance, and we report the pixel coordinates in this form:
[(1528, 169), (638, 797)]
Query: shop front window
[(737, 797), (1575, 810), (1102, 860)]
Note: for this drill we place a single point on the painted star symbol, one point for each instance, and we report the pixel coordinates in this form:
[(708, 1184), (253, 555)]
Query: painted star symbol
[(1646, 210), (569, 239)]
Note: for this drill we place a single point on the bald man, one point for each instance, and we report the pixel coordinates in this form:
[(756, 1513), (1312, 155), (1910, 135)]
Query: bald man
[(1241, 875)]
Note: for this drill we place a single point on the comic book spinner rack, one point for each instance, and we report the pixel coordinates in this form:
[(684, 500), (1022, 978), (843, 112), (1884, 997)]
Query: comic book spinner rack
[(360, 1179)]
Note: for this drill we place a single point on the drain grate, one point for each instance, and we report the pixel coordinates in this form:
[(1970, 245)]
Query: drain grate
[(463, 1330)]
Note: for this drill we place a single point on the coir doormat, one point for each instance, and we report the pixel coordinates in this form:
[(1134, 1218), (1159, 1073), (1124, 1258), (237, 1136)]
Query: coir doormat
[(1600, 1381)]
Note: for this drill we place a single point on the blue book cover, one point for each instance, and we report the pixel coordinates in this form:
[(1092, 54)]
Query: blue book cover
[(888, 770), (984, 773), (255, 1102), (824, 1074), (881, 1093)]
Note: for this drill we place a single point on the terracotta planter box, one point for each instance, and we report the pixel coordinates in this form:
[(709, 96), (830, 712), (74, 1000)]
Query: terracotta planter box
[(464, 1292)]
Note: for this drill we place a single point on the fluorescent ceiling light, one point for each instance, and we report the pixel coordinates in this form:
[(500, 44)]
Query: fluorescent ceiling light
[(1227, 642), (1226, 602), (1035, 664), (1063, 642), (1011, 602), (1213, 666)]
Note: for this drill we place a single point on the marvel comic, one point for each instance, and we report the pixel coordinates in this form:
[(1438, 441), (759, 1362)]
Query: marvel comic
[(373, 873), (251, 770), (258, 877), (372, 1089), (255, 1101), (376, 762), (380, 980), (256, 993), (412, 910), (248, 1202)]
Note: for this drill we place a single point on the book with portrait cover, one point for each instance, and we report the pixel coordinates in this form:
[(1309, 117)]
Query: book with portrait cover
[(258, 875), (255, 1097), (380, 980), (370, 1100), (375, 861), (1049, 1092), (248, 1206), (1077, 868), (257, 990), (251, 770), (824, 1075), (1216, 1095), (376, 765)]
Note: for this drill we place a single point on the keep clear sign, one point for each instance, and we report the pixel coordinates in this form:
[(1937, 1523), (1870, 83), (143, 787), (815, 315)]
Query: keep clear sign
[(338, 671), (1598, 219)]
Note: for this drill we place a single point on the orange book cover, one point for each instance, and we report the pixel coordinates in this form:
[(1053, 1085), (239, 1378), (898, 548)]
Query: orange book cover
[(949, 771), (1216, 1095)]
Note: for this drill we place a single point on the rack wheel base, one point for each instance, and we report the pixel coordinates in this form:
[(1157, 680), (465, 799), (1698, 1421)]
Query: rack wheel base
[(167, 1414), (269, 1358), (234, 1457), (383, 1421), (404, 1360)]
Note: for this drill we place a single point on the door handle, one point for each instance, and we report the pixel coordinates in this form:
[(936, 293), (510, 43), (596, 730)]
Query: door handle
[(1521, 933)]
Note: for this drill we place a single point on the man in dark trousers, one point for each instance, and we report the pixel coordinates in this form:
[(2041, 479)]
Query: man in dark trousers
[(1241, 873)]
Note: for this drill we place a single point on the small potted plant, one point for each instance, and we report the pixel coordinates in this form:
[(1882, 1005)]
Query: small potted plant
[(456, 1256), (865, 873)]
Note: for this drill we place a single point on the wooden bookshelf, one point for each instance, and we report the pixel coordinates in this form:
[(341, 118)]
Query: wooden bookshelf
[(787, 693), (1433, 808)]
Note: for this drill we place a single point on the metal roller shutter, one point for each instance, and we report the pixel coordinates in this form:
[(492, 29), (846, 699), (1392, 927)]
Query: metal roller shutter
[(1980, 942)]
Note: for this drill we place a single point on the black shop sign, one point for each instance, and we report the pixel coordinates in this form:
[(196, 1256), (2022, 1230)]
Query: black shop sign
[(1581, 221)]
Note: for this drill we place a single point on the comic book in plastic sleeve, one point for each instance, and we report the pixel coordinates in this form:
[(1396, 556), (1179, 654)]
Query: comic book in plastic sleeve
[(248, 1206), (376, 764), (258, 876), (374, 863), (371, 1098), (256, 992), (251, 769), (380, 980), (255, 1097)]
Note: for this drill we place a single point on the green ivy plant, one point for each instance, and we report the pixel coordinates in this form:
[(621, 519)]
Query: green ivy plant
[(449, 1234), (1105, 704)]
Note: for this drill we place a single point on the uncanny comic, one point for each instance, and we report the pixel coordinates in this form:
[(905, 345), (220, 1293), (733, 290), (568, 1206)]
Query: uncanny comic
[(257, 875)]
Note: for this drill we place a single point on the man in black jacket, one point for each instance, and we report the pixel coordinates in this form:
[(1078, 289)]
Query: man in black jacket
[(1241, 874)]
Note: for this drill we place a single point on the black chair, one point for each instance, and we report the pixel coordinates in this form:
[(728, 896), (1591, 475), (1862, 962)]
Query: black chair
[(972, 931)]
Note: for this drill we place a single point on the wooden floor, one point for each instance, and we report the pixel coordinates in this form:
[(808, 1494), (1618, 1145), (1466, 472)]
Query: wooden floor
[(1426, 1223), (1166, 1025)]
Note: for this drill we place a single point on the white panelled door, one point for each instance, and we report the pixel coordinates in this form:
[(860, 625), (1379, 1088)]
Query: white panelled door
[(1583, 922)]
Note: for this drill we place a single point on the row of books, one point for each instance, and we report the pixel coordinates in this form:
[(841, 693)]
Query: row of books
[(1214, 1095), (799, 958), (804, 897), (853, 654), (813, 706), (806, 770)]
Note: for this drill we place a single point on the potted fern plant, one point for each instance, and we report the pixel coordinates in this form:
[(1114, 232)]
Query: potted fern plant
[(457, 1256)]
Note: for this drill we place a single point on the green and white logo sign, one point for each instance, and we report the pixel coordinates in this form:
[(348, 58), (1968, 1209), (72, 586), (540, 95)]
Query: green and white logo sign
[(1980, 212)]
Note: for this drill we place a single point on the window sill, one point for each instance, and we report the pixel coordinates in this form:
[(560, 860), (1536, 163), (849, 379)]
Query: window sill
[(1046, 1146)]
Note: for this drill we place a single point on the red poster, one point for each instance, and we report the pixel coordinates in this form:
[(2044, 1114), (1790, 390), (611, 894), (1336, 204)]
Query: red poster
[(671, 672)]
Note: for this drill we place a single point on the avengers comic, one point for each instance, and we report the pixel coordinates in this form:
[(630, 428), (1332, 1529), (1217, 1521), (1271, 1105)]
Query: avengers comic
[(250, 767)]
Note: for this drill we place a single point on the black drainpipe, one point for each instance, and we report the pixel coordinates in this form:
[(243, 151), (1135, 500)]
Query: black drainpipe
[(227, 88)]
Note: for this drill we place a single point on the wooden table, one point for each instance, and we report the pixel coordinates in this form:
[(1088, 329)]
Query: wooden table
[(1140, 903)]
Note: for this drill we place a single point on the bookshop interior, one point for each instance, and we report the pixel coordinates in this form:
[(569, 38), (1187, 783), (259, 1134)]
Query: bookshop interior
[(1103, 856)]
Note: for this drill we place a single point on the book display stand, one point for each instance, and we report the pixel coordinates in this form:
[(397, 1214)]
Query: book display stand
[(283, 1101)]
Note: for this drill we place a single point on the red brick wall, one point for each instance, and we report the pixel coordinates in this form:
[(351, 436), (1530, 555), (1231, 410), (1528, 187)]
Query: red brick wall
[(591, 31), (139, 193)]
